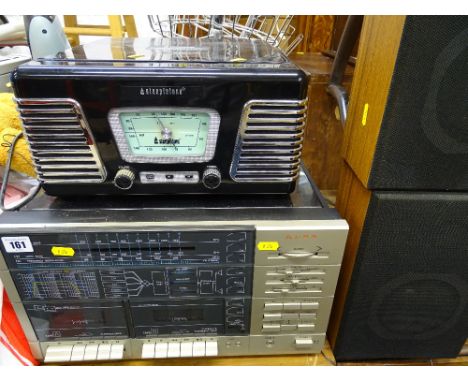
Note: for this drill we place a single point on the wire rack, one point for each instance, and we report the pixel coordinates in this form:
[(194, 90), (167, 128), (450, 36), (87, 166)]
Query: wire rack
[(275, 30)]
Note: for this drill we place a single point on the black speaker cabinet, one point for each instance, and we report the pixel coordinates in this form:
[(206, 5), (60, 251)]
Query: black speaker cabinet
[(408, 116), (403, 289)]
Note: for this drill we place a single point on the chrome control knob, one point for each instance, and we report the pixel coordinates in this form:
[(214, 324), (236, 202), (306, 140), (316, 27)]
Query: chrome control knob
[(124, 179), (211, 177)]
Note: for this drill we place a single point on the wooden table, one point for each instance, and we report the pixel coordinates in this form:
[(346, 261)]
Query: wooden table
[(324, 359)]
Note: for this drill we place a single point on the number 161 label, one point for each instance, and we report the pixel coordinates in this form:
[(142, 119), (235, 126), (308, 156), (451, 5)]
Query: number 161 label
[(17, 244)]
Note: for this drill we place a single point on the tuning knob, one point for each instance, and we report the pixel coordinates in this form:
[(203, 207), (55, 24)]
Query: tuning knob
[(124, 179), (211, 177)]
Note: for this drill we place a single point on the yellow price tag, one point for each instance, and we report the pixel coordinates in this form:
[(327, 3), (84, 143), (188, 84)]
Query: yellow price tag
[(364, 114), (238, 59), (135, 56), (62, 251), (268, 246)]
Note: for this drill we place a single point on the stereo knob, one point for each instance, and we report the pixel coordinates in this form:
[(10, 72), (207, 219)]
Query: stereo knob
[(211, 177), (124, 179)]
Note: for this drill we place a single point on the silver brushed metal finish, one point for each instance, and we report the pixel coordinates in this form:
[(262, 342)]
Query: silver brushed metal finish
[(269, 141), (60, 140)]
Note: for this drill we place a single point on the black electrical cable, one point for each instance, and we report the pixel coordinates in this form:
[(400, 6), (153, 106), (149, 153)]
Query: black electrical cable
[(6, 174)]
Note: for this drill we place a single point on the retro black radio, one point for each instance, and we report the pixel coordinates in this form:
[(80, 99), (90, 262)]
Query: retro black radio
[(157, 116)]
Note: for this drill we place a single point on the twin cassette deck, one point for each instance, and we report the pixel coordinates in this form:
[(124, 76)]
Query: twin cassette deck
[(181, 278)]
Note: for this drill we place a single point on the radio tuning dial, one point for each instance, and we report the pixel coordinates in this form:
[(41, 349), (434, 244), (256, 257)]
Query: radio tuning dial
[(124, 179), (211, 177)]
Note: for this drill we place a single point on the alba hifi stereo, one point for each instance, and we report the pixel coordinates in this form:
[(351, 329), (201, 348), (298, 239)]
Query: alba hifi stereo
[(145, 278), (164, 116)]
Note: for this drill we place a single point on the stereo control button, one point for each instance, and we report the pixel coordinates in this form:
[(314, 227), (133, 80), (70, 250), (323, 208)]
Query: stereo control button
[(288, 327), (290, 316), (124, 179), (173, 350), (161, 350), (211, 348), (271, 328), (273, 306), (309, 305), (304, 343), (58, 353), (307, 316), (271, 316), (199, 349), (303, 327), (117, 351), (103, 352), (292, 305), (211, 177), (147, 351), (186, 349), (90, 352), (78, 353)]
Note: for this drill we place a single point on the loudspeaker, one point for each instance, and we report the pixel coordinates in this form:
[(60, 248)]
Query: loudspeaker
[(403, 288), (407, 126)]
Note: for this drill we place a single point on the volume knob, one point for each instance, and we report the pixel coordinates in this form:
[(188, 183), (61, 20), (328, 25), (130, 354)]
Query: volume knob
[(124, 179), (211, 177)]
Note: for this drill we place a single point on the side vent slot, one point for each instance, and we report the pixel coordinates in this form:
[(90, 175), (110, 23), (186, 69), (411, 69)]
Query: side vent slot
[(61, 143), (269, 142)]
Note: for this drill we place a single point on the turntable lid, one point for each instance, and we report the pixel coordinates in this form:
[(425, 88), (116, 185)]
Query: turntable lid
[(173, 50)]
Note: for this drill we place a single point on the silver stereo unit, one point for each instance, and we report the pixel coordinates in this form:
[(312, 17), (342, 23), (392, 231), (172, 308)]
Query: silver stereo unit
[(148, 278)]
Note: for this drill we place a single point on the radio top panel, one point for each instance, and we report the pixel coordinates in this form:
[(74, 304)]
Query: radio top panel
[(164, 116)]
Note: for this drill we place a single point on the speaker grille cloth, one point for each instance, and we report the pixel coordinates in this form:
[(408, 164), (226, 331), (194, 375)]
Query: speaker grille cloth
[(423, 142), (409, 291)]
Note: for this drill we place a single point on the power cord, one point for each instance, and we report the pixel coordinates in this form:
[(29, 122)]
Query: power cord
[(6, 174)]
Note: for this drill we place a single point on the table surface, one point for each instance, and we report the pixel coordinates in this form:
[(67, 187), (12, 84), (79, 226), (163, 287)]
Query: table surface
[(324, 359)]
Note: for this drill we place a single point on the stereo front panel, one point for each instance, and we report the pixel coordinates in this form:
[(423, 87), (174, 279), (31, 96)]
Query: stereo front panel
[(173, 290), (46, 284), (107, 249)]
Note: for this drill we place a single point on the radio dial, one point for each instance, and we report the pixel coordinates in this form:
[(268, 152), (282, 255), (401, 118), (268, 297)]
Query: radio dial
[(124, 179), (211, 177)]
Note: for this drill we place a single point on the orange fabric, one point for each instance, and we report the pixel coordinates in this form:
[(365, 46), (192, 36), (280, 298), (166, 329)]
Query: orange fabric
[(11, 327)]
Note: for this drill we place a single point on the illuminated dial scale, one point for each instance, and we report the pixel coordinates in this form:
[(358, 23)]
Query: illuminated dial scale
[(166, 133)]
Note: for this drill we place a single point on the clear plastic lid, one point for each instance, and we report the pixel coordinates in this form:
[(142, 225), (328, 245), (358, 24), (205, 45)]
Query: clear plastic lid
[(172, 50)]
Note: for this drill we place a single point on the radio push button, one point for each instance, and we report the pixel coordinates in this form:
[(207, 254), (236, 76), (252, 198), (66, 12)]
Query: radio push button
[(124, 179), (211, 177)]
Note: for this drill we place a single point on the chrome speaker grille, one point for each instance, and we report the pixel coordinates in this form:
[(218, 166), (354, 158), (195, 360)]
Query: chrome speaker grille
[(269, 142), (61, 143)]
